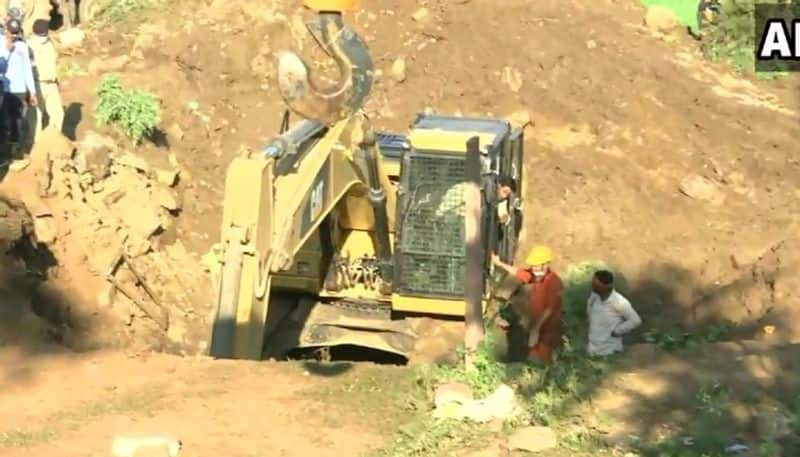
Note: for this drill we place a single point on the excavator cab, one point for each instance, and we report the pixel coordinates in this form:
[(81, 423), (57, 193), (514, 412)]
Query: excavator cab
[(430, 254)]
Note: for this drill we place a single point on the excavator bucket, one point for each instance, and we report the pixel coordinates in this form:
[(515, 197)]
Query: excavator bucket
[(243, 290), (355, 66)]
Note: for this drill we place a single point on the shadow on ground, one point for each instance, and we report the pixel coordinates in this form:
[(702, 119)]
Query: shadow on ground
[(73, 116), (37, 319), (711, 366)]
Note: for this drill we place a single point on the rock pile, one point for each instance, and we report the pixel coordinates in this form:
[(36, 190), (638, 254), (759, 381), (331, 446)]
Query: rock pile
[(115, 207)]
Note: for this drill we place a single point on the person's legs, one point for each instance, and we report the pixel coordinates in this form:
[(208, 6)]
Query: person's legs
[(542, 352), (53, 105), (12, 109), (24, 123)]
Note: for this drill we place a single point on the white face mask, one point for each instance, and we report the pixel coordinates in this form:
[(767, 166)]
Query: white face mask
[(539, 272)]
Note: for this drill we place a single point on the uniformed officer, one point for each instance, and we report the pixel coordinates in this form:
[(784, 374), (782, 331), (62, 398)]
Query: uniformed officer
[(20, 88), (45, 61)]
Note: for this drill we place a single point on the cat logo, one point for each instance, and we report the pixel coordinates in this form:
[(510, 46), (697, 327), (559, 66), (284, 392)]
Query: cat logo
[(316, 200)]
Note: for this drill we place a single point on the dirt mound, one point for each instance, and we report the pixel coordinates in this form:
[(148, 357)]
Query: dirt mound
[(102, 212), (640, 152)]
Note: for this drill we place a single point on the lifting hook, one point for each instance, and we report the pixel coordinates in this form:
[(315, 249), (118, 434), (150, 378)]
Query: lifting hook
[(355, 66)]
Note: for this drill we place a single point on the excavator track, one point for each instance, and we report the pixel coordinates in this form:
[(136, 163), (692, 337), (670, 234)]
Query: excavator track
[(318, 324)]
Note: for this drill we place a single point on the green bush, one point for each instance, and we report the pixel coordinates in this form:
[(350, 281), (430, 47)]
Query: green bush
[(136, 112)]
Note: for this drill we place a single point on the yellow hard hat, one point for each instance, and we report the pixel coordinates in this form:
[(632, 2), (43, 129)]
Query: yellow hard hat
[(539, 255), (331, 5)]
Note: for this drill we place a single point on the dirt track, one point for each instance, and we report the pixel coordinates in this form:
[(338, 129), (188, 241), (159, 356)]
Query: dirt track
[(625, 125), (71, 406)]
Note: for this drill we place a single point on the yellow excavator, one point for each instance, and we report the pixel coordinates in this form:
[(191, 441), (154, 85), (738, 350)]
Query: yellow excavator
[(336, 235)]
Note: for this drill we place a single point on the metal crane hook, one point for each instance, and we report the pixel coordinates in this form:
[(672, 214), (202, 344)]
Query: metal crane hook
[(355, 74)]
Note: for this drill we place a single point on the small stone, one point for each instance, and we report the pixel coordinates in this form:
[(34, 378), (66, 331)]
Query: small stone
[(399, 69), (591, 44), (533, 439), (420, 14), (512, 78), (701, 188), (45, 230), (167, 177)]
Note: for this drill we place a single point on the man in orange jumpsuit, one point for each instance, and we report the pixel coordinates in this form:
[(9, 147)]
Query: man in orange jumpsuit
[(545, 330)]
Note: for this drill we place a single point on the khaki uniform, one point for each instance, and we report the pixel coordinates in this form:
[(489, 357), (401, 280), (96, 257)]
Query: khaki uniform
[(45, 60)]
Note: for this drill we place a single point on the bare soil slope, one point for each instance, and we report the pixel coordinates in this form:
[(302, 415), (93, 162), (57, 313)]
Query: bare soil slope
[(640, 152)]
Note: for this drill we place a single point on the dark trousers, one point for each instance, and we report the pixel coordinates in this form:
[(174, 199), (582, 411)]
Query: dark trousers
[(15, 110)]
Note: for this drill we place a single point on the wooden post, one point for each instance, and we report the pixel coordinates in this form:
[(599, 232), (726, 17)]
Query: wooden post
[(473, 280)]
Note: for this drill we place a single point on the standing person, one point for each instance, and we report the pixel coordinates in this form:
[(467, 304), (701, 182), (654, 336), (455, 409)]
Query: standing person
[(506, 188), (545, 331), (20, 88), (610, 314), (45, 65)]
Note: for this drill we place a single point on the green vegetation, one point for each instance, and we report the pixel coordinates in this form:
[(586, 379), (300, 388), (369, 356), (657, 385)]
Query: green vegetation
[(679, 339), (708, 434), (550, 393), (136, 112), (732, 40), (111, 11)]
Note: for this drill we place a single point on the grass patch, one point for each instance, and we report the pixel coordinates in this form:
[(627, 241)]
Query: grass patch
[(678, 339), (550, 394), (706, 434), (140, 400), (732, 40), (136, 112), (113, 11)]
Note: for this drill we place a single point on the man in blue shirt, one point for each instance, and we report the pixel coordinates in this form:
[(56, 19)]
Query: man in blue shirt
[(19, 86)]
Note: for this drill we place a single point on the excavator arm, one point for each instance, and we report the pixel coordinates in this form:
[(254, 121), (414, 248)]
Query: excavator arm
[(275, 199)]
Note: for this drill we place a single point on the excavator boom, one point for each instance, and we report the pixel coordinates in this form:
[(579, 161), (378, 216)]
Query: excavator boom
[(294, 185)]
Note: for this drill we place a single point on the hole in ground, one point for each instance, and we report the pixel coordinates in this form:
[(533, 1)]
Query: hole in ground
[(347, 353)]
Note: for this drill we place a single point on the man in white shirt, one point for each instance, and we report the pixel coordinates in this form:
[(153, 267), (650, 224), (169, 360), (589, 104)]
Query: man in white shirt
[(610, 316)]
